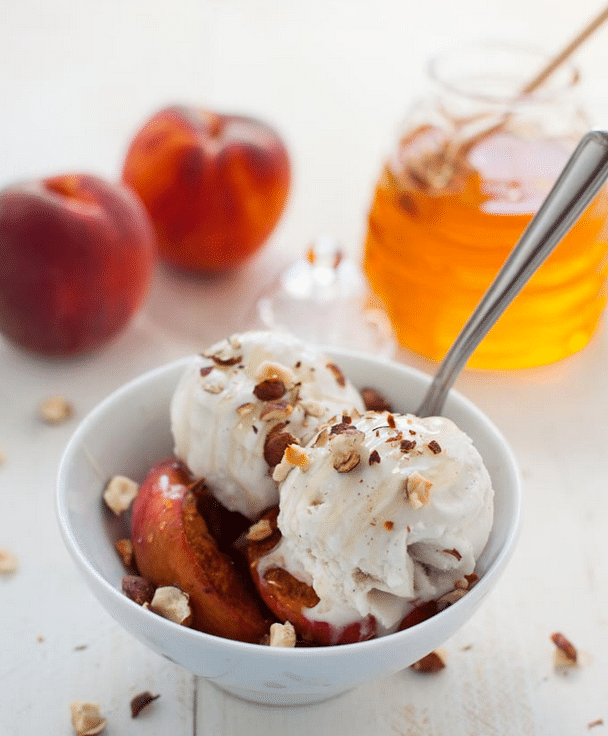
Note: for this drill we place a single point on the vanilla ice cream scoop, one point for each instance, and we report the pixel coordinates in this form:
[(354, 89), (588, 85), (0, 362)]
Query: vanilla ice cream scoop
[(383, 512), (242, 402)]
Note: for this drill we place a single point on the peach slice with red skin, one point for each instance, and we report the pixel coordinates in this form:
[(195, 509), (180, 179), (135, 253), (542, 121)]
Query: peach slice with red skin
[(287, 597), (173, 546)]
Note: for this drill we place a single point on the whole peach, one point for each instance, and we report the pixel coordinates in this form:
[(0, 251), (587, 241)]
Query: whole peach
[(215, 185), (76, 258)]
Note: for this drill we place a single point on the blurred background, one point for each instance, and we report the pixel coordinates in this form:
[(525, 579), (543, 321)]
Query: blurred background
[(77, 78)]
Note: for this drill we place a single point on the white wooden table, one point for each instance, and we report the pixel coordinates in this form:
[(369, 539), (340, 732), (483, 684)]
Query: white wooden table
[(335, 76)]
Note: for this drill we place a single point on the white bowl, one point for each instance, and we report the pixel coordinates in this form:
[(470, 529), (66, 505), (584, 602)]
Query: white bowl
[(129, 431)]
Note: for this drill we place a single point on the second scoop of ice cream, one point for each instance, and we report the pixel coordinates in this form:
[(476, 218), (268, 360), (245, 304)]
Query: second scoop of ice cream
[(385, 511)]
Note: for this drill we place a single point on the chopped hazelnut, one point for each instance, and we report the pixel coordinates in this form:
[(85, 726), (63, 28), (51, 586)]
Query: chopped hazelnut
[(124, 547), (345, 448), (268, 371), (338, 375), (276, 443), (374, 401), (55, 410), (418, 490), (120, 493), (313, 408), (224, 358), (8, 562), (139, 702), (322, 438), (262, 529), (86, 718), (407, 445), (374, 457), (434, 447), (269, 390), (566, 653), (172, 603), (296, 456), (245, 409), (276, 410), (281, 470), (452, 596), (213, 387), (282, 635), (138, 589), (429, 664)]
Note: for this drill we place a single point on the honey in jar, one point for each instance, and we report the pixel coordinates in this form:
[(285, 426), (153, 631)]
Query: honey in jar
[(472, 167)]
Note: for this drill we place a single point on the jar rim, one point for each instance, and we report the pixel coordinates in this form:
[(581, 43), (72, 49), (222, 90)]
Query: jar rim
[(530, 60)]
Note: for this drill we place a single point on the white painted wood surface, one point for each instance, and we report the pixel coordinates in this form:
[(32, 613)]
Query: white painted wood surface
[(335, 76)]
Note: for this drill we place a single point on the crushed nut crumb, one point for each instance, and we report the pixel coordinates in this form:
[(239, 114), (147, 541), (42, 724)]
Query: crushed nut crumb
[(139, 702), (430, 664), (322, 438), (597, 722), (262, 529), (120, 493), (565, 650), (268, 371), (172, 603), (224, 359), (276, 443), (313, 408), (86, 718), (296, 456), (8, 562), (374, 457), (206, 370), (282, 635), (274, 410), (434, 447), (271, 389), (138, 589), (213, 387), (124, 547), (338, 375), (55, 410), (345, 449), (418, 490), (374, 401), (245, 409), (451, 596)]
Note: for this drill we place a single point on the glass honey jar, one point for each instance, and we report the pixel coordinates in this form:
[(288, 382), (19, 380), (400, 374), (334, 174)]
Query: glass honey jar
[(475, 160)]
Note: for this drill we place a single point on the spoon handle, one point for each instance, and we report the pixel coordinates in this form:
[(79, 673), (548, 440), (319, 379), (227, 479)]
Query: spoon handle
[(579, 182)]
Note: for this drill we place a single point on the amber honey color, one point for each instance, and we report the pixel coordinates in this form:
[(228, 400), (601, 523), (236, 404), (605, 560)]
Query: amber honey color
[(432, 250)]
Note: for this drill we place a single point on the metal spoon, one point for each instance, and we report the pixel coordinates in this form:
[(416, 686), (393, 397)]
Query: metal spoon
[(579, 182)]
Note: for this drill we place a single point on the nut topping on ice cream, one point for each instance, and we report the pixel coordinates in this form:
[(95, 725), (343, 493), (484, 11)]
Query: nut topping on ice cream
[(377, 528), (243, 402)]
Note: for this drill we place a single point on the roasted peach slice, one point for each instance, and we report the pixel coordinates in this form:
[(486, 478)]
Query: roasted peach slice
[(288, 598), (173, 546)]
